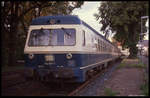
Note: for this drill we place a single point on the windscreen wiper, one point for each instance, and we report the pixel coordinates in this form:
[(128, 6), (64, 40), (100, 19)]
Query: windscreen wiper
[(66, 32)]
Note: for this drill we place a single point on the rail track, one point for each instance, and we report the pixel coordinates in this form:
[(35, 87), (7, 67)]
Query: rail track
[(74, 92), (11, 78), (35, 88)]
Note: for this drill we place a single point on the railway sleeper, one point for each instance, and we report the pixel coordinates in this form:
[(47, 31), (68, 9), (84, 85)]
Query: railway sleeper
[(95, 70)]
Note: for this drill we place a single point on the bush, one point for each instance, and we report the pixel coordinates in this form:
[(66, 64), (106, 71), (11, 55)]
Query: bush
[(145, 89), (109, 92), (131, 63)]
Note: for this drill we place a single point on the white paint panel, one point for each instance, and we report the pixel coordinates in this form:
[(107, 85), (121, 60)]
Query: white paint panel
[(78, 48), (42, 49)]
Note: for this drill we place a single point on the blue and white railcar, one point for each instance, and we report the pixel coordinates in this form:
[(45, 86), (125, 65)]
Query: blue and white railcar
[(65, 47)]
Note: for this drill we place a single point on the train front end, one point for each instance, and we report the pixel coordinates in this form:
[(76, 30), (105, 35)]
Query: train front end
[(51, 53)]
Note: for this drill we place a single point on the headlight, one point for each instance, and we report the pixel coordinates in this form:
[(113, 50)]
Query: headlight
[(49, 58), (31, 56), (69, 56)]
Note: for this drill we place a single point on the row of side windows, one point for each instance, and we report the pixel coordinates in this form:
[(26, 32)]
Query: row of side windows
[(103, 46), (100, 45)]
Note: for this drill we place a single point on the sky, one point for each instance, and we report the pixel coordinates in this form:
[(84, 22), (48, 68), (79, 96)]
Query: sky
[(86, 13)]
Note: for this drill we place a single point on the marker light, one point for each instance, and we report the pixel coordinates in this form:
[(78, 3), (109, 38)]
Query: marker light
[(52, 21), (31, 56), (69, 56)]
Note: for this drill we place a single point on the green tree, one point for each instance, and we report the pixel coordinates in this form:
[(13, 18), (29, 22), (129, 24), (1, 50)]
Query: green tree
[(16, 17), (124, 19)]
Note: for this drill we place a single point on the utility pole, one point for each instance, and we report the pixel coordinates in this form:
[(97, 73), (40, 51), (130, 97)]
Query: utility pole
[(141, 34)]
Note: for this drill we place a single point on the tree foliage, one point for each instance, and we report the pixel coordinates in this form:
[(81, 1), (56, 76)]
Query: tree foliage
[(16, 17), (124, 19)]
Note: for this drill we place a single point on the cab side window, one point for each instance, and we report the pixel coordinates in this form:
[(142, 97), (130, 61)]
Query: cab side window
[(84, 40), (99, 45)]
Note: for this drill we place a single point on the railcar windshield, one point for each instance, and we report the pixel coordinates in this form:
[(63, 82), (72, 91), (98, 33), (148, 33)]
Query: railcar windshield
[(52, 37)]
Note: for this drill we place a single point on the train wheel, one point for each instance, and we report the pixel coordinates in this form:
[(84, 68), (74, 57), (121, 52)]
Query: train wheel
[(87, 76), (35, 75), (28, 74), (103, 67), (98, 68)]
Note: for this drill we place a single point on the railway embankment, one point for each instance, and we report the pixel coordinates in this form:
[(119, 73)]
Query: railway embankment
[(129, 79)]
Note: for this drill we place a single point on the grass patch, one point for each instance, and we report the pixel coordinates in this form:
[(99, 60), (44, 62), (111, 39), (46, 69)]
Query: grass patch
[(131, 63), (145, 86), (121, 65), (145, 89), (109, 92)]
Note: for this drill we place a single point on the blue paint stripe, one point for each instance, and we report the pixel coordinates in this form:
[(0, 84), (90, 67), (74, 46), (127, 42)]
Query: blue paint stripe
[(61, 60)]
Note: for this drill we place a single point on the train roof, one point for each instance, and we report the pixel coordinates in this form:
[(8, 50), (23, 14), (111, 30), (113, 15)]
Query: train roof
[(96, 32), (61, 19)]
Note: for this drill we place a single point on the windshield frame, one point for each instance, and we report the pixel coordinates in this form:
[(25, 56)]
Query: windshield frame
[(50, 45)]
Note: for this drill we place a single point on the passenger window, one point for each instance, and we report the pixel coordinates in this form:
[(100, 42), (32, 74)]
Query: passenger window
[(106, 48), (102, 45), (83, 38), (92, 39), (98, 44)]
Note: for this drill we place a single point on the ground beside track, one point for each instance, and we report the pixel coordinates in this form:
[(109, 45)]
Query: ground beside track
[(123, 82), (120, 81), (93, 87)]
